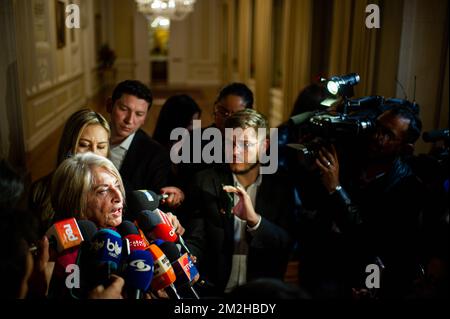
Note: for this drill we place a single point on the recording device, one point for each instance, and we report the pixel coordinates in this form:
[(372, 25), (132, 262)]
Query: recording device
[(65, 237), (142, 200), (155, 225), (103, 257), (347, 126), (128, 231), (326, 128), (164, 275), (87, 229), (64, 234), (138, 273), (342, 85), (186, 272)]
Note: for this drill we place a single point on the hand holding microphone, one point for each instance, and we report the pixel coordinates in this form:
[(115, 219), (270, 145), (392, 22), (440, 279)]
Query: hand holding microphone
[(156, 225), (175, 223), (175, 196), (112, 291), (186, 272)]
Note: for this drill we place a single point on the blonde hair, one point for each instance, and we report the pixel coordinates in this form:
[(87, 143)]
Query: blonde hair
[(73, 128), (73, 180), (247, 118)]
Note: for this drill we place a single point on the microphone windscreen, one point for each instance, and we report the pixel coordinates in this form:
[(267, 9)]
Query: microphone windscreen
[(164, 232), (127, 228), (88, 229), (64, 234), (106, 247), (158, 242), (163, 216), (170, 250), (142, 200), (136, 242), (185, 270), (148, 220), (163, 271), (139, 271)]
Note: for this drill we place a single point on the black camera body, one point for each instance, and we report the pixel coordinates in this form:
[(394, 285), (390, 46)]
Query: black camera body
[(345, 127)]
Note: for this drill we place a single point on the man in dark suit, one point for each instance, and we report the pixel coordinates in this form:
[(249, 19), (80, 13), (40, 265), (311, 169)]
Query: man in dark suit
[(142, 162), (239, 220)]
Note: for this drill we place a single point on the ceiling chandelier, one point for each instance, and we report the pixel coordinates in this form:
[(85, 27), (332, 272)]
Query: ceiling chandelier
[(169, 9)]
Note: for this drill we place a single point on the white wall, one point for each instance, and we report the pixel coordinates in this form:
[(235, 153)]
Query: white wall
[(194, 46), (56, 81)]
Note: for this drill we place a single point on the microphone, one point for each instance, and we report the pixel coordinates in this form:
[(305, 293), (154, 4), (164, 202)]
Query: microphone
[(147, 220), (104, 256), (67, 238), (185, 271), (156, 226), (127, 229), (138, 273), (136, 242), (64, 234), (143, 200), (164, 275), (88, 229), (164, 232)]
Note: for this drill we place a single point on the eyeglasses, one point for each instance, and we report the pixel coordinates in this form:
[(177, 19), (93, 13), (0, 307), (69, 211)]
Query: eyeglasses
[(243, 145), (222, 112)]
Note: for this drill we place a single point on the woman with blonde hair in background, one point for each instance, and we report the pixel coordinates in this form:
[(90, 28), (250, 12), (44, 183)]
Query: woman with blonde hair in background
[(84, 131)]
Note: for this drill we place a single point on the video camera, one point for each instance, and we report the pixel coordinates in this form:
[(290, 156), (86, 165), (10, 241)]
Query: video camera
[(345, 125)]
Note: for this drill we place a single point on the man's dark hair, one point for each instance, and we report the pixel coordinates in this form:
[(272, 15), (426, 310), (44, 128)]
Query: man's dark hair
[(11, 185), (415, 124), (238, 89), (133, 87)]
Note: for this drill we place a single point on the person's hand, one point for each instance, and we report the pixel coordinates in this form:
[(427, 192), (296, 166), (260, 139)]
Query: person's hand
[(161, 294), (244, 208), (42, 270), (175, 196), (328, 164), (193, 258), (179, 230), (113, 291)]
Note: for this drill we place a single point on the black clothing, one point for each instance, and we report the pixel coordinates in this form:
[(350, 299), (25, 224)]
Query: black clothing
[(209, 233), (375, 221), (146, 165)]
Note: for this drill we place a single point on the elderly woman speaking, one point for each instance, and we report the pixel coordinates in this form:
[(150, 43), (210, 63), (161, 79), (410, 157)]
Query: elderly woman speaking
[(88, 186)]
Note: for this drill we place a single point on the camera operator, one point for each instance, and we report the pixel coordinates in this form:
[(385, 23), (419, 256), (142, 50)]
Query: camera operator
[(377, 204), (432, 169)]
